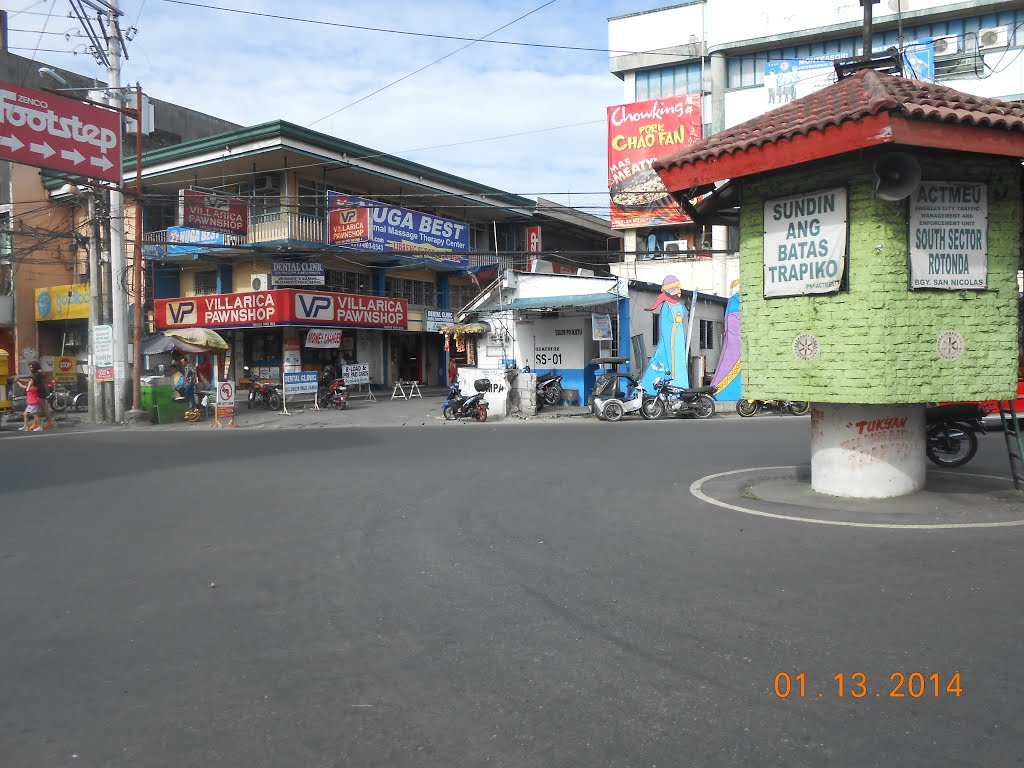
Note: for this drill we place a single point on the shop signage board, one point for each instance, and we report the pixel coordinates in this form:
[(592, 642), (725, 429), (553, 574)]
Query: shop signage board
[(103, 352), (292, 356), (211, 212), (356, 373), (65, 135), (949, 236), (602, 326), (638, 134), (559, 343), (323, 338), (439, 318), (805, 243), (290, 273), (301, 383), (428, 238), (65, 369), (351, 310), (62, 302), (348, 225), (285, 306)]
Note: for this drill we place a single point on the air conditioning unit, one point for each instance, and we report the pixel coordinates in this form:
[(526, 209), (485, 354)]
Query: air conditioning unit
[(948, 45), (267, 183), (674, 246), (259, 282), (993, 37)]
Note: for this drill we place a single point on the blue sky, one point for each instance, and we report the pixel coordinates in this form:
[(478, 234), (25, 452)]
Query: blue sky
[(252, 69)]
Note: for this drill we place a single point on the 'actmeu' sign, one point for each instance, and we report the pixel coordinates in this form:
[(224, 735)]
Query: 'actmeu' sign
[(805, 243), (949, 235)]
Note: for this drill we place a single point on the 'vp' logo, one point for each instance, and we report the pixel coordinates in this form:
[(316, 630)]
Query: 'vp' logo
[(349, 215), (312, 306), (181, 312)]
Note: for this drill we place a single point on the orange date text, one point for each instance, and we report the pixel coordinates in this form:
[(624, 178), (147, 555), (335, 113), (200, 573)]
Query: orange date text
[(856, 685)]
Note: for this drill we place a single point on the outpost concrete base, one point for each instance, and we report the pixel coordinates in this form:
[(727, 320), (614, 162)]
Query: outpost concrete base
[(867, 451)]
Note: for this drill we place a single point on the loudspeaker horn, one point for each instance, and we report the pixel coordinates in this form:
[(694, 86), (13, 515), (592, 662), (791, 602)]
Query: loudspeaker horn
[(898, 175)]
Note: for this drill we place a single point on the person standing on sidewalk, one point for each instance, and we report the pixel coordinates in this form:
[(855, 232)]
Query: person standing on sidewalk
[(453, 371), (35, 398)]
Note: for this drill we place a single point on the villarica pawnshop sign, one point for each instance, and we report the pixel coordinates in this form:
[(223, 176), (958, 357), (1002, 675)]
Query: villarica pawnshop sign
[(805, 243)]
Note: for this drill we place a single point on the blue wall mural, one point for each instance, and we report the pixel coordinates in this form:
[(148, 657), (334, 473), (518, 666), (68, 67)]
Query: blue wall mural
[(670, 355)]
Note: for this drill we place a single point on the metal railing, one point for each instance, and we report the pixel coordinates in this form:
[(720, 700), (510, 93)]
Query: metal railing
[(285, 225)]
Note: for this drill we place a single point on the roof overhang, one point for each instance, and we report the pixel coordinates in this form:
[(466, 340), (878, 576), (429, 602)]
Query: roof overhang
[(872, 131)]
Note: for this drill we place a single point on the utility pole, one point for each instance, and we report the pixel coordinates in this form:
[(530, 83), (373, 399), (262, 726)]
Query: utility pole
[(118, 262), (95, 391)]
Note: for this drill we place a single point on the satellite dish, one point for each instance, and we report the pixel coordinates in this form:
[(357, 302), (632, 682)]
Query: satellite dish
[(899, 6), (898, 174)]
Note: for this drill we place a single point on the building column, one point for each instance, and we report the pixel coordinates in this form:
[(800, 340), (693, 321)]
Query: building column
[(378, 281), (867, 451), (719, 81)]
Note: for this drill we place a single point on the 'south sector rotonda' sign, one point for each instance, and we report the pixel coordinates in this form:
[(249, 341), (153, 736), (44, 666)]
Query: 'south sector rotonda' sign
[(211, 212), (638, 134), (286, 306)]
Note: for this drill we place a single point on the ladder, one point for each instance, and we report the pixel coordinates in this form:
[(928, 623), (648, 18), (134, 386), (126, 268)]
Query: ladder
[(1014, 441)]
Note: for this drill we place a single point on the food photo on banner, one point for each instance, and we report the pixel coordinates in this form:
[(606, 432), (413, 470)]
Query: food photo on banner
[(638, 134)]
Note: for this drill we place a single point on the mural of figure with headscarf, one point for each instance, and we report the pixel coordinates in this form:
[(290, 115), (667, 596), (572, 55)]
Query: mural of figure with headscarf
[(728, 379), (670, 355)]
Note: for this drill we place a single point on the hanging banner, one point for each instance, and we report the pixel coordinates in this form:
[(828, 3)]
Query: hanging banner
[(638, 134), (323, 338), (805, 243), (949, 236), (602, 325)]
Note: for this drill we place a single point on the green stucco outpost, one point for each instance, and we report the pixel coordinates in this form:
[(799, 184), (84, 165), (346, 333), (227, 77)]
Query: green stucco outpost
[(878, 339)]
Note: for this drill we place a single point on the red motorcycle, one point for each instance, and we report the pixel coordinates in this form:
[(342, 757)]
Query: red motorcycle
[(263, 393), (332, 395)]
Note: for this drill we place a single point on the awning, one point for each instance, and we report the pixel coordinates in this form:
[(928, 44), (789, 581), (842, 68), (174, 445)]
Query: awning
[(553, 302), (462, 329)]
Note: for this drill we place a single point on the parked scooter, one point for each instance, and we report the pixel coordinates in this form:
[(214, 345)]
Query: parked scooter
[(747, 407), (263, 393), (549, 389), (697, 402), (457, 406), (332, 395), (952, 429)]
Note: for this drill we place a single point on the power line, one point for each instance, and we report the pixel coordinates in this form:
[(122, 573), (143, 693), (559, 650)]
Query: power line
[(419, 34), (427, 66)]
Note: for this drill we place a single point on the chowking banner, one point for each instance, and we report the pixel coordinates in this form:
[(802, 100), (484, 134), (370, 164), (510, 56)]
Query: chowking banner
[(638, 134), (286, 306)]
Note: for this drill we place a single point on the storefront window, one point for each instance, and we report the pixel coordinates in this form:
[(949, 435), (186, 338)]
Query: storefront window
[(418, 292), (263, 346), (206, 283)]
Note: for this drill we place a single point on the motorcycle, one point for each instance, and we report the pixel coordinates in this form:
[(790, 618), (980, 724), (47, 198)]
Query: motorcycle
[(457, 406), (263, 393), (746, 407), (951, 431), (549, 389), (333, 394), (697, 402)]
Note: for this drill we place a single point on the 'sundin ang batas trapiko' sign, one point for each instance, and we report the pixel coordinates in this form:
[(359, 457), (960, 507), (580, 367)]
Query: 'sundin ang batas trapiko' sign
[(805, 243), (949, 236)]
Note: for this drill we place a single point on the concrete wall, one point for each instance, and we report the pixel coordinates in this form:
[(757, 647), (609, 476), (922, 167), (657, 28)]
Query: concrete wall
[(878, 339)]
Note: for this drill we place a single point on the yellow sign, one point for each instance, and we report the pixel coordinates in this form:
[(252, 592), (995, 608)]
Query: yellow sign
[(62, 302), (65, 370), (5, 404)]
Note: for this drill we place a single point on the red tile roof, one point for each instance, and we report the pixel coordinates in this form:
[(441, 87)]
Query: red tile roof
[(853, 98)]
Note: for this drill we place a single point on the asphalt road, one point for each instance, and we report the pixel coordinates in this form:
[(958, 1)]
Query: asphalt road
[(495, 595)]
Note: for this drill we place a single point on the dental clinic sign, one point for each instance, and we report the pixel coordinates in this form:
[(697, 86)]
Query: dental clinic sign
[(949, 236), (59, 134), (805, 243)]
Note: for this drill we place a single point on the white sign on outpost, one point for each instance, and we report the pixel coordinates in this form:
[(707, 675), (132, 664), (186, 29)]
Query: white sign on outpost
[(805, 243), (949, 235)]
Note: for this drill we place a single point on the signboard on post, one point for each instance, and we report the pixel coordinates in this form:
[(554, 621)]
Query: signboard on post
[(211, 212), (949, 236), (355, 374), (805, 243), (103, 352), (225, 403), (64, 370), (48, 131), (301, 383)]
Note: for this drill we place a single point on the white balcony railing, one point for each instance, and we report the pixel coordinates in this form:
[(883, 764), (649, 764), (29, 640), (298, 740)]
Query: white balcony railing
[(285, 225)]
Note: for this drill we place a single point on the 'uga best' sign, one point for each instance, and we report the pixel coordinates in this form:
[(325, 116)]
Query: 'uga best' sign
[(283, 307)]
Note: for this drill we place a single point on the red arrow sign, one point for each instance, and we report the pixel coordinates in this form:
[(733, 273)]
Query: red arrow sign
[(60, 134)]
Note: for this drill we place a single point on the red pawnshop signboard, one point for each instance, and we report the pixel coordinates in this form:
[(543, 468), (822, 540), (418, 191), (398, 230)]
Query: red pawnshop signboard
[(213, 213), (348, 225), (638, 134), (285, 306), (59, 134)]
